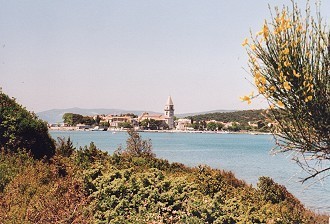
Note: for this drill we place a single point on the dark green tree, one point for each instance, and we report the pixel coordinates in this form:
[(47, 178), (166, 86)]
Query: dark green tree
[(20, 129), (211, 126), (125, 125), (220, 126), (97, 120), (88, 120), (72, 119), (152, 124)]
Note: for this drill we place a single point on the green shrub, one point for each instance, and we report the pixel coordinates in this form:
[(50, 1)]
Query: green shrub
[(20, 129)]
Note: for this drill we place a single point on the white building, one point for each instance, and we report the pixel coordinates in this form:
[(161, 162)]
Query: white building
[(183, 124)]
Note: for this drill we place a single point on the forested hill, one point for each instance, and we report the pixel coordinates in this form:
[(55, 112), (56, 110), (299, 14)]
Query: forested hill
[(243, 116)]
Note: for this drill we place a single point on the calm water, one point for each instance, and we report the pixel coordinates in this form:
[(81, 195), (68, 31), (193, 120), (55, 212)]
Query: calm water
[(248, 156)]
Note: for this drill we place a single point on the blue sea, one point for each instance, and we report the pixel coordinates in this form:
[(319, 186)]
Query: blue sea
[(248, 156)]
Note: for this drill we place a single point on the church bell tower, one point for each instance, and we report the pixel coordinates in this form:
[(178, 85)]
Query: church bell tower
[(169, 113)]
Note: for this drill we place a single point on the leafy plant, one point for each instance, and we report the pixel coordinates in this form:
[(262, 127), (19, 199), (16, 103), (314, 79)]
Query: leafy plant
[(20, 129), (136, 146)]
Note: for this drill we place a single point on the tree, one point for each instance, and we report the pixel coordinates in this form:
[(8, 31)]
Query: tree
[(136, 146), (153, 124), (125, 125), (20, 129), (234, 127), (290, 62), (72, 119), (87, 120), (220, 126), (211, 126), (97, 120)]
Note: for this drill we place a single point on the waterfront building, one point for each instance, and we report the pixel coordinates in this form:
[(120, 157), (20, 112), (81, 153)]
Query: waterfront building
[(162, 120), (183, 124), (115, 120)]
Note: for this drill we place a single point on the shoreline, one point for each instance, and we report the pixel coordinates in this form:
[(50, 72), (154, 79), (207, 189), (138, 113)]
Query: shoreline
[(161, 131)]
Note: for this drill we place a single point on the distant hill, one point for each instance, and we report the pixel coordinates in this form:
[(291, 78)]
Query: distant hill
[(201, 113), (55, 115), (242, 116)]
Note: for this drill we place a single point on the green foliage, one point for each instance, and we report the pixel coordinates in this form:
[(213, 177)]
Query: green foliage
[(237, 116), (271, 191), (97, 120), (136, 146), (20, 129), (86, 156), (12, 164), (125, 125), (104, 124), (151, 124), (132, 186), (64, 147), (129, 115), (235, 127), (126, 189), (212, 126), (73, 119), (87, 120)]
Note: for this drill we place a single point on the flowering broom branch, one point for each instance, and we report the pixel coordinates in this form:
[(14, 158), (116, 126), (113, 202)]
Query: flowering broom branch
[(289, 60)]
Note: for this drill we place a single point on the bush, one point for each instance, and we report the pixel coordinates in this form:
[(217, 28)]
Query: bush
[(20, 129)]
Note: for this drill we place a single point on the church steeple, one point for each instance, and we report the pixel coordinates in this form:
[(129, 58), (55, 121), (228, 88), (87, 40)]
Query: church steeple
[(169, 112), (169, 101)]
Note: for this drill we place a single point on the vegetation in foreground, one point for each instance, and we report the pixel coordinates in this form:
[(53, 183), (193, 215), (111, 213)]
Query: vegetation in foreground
[(44, 183), (87, 185)]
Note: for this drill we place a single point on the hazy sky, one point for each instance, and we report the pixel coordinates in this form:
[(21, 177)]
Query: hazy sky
[(129, 54)]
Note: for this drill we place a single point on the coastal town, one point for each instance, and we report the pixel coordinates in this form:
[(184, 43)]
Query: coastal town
[(154, 122)]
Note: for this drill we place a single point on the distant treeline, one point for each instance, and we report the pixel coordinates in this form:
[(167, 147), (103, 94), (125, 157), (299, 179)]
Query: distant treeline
[(242, 117)]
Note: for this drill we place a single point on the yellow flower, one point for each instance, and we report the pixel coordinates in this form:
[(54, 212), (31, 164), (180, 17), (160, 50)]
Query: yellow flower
[(257, 75), (288, 25), (261, 89), (246, 98), (286, 51), (272, 88), (256, 81), (286, 86), (262, 80), (287, 63), (245, 42), (280, 104), (296, 74), (299, 28), (253, 47), (308, 98), (265, 31)]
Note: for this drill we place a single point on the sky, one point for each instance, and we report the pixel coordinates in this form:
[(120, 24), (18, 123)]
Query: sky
[(130, 54)]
